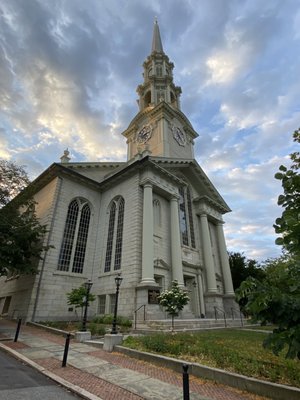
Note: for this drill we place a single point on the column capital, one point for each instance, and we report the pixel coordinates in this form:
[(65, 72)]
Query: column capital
[(174, 197), (147, 183)]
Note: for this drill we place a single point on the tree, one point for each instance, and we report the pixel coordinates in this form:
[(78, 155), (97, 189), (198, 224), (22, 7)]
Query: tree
[(21, 235), (13, 179), (173, 300), (241, 268), (288, 225), (276, 298), (77, 297)]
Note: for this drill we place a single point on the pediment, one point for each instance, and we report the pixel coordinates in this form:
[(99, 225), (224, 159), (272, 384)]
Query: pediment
[(190, 172)]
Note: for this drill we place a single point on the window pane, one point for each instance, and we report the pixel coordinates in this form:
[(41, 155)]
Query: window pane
[(110, 237), (68, 237), (112, 303), (101, 304), (182, 218), (119, 238), (81, 239), (191, 223)]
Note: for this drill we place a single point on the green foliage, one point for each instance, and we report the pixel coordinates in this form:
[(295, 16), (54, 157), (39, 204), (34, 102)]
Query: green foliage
[(173, 299), (108, 319), (96, 329), (233, 350), (21, 235), (241, 268), (276, 300), (77, 297), (288, 225), (13, 179)]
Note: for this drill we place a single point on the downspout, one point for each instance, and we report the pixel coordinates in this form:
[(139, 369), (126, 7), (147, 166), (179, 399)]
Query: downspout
[(60, 180)]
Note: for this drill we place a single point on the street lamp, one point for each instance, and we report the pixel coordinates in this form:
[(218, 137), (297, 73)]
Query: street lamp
[(118, 281), (87, 285)]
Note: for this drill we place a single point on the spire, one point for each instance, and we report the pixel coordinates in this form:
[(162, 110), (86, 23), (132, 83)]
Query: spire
[(156, 40), (158, 85)]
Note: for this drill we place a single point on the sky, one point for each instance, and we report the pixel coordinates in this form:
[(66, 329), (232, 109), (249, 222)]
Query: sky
[(69, 71)]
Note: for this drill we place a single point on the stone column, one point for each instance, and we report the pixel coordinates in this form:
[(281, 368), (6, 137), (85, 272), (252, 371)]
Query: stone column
[(147, 245), (201, 298), (228, 286), (176, 243), (208, 257)]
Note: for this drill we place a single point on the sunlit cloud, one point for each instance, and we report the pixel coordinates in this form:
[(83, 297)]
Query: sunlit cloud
[(69, 71)]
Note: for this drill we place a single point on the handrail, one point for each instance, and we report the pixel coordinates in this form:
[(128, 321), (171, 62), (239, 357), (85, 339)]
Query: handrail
[(223, 312), (135, 314), (239, 313)]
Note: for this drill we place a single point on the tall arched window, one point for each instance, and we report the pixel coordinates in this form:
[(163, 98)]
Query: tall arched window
[(73, 247), (115, 235), (186, 217)]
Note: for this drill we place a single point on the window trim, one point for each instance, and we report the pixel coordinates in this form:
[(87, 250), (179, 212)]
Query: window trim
[(79, 227), (114, 237)]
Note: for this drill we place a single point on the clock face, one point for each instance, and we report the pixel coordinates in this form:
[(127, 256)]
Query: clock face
[(144, 134), (179, 135)]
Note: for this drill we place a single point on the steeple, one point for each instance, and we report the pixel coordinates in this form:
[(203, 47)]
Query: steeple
[(158, 77), (160, 128), (156, 40)]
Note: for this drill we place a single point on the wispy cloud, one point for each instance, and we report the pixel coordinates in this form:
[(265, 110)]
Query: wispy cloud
[(69, 70)]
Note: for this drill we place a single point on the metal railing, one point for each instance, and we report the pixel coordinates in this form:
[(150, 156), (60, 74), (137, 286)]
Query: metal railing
[(135, 314), (239, 313), (217, 309)]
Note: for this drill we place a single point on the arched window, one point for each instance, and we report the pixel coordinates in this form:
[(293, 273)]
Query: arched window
[(115, 235), (147, 99), (186, 217), (73, 247)]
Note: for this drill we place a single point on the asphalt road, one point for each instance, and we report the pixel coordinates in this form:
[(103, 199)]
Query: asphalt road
[(21, 382)]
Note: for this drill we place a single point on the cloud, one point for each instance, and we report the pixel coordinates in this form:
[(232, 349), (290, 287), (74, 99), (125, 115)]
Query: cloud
[(69, 70)]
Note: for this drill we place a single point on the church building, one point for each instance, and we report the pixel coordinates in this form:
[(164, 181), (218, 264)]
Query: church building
[(153, 219)]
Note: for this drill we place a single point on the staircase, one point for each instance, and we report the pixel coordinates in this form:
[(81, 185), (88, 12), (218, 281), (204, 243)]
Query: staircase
[(184, 325)]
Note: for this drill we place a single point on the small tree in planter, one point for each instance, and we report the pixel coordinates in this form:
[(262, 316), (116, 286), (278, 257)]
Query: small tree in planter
[(173, 300), (77, 297)]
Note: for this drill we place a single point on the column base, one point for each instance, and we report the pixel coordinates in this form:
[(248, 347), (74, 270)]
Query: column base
[(148, 282)]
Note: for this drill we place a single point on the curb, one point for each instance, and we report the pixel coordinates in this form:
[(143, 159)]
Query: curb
[(274, 391), (70, 386)]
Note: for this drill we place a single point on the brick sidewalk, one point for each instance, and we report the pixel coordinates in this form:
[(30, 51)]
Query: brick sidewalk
[(110, 391)]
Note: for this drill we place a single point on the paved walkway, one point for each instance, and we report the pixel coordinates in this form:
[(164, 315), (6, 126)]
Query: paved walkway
[(99, 375)]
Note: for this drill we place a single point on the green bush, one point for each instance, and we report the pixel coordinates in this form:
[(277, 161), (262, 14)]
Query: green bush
[(96, 329), (108, 319)]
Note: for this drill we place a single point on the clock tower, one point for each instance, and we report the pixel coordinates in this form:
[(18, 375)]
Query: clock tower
[(160, 127)]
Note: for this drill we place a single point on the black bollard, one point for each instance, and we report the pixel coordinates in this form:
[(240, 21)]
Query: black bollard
[(64, 362), (185, 381), (18, 330)]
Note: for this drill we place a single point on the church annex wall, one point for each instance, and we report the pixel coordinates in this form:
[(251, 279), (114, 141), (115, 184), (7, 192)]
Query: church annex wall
[(55, 284)]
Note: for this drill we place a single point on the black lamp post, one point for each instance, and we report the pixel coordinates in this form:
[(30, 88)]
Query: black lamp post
[(118, 281), (87, 285)]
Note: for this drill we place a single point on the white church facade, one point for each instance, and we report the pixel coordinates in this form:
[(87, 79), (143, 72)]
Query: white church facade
[(154, 218)]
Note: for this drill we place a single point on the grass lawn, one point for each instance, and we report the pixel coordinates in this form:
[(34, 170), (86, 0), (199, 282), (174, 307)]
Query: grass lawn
[(237, 351)]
